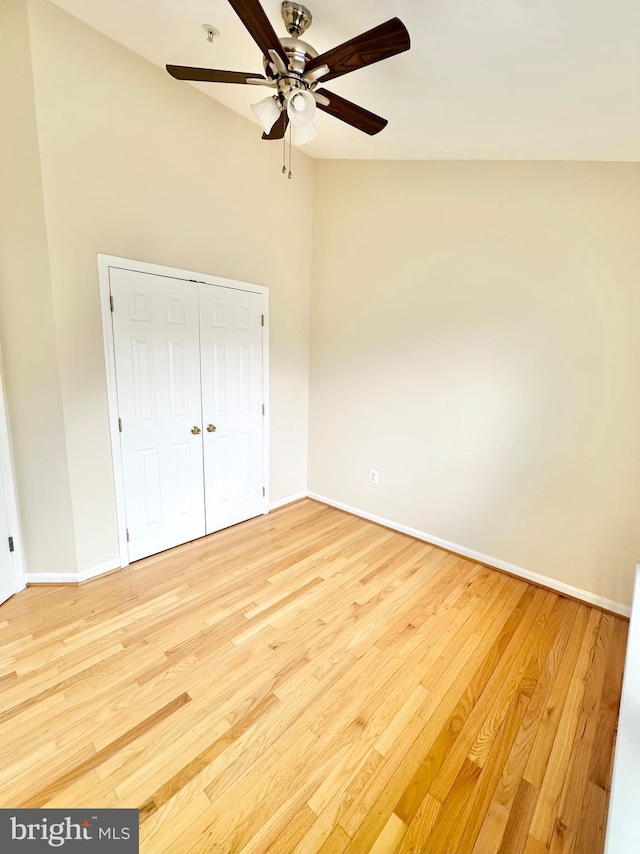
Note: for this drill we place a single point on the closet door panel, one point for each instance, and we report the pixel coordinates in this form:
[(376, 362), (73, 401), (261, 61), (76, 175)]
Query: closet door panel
[(232, 398), (156, 337)]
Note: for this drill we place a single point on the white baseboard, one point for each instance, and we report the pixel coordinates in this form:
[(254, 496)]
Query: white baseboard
[(289, 500), (527, 574), (520, 572), (623, 823), (72, 577)]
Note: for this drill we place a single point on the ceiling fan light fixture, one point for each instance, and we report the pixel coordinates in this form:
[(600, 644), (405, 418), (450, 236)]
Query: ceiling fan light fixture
[(267, 112), (298, 103), (301, 108)]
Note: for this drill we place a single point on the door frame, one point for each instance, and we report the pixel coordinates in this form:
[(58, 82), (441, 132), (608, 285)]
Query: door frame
[(18, 568), (105, 263)]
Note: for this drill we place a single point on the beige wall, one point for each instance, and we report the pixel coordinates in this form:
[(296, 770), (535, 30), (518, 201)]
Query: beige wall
[(475, 325), (475, 338), (27, 330), (138, 165)]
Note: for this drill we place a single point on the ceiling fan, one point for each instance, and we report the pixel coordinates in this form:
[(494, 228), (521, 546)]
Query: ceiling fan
[(294, 71)]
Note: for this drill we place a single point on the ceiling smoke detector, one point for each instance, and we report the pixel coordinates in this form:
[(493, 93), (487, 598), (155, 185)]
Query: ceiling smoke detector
[(210, 31)]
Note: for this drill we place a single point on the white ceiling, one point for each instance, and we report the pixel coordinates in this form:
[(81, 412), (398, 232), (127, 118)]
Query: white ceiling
[(484, 79)]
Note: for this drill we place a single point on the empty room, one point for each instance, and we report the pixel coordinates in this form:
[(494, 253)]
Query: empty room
[(319, 426)]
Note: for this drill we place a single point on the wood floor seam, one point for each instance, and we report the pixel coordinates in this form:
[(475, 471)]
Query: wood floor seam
[(40, 798)]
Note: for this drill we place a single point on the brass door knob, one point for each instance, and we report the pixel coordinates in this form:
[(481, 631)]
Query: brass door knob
[(211, 428), (196, 431)]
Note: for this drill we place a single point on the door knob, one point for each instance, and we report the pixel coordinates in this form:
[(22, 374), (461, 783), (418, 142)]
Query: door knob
[(196, 431), (211, 428)]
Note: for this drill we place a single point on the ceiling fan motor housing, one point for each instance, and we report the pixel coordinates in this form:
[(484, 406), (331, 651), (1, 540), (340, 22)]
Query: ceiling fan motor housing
[(299, 53)]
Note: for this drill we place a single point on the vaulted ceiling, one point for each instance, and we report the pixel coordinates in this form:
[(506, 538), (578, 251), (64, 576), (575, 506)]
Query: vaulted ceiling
[(485, 79)]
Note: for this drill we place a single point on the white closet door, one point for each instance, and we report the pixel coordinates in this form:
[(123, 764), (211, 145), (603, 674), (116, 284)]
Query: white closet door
[(156, 337), (232, 399)]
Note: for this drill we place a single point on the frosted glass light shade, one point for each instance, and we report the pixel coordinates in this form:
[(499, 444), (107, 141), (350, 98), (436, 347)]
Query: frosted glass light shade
[(304, 133), (267, 112), (301, 108)]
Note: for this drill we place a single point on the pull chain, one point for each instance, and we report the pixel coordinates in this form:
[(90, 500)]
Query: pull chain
[(284, 153), (290, 135)]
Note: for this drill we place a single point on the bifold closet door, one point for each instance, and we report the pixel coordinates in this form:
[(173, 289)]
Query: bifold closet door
[(157, 349), (232, 405)]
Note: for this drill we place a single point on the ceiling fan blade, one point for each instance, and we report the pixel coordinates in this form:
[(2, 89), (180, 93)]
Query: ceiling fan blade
[(211, 75), (375, 45), (280, 127), (350, 113), (259, 26)]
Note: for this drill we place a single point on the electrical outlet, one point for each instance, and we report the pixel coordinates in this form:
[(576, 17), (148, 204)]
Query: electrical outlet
[(373, 476)]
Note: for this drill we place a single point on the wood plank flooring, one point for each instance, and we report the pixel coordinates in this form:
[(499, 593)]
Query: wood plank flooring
[(310, 682)]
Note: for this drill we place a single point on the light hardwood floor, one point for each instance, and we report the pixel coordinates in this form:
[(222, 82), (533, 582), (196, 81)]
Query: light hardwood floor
[(310, 682)]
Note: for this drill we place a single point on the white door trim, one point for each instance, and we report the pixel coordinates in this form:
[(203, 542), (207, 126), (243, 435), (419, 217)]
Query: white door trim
[(10, 493), (105, 262)]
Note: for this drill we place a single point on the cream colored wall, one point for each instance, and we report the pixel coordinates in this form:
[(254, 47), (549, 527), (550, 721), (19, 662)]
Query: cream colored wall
[(475, 338), (27, 329), (138, 165), (475, 325)]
